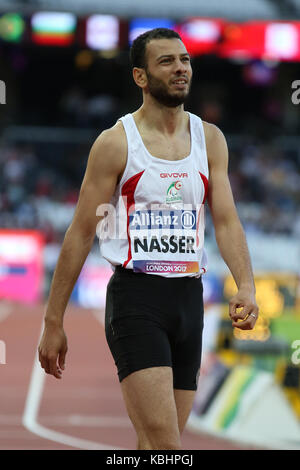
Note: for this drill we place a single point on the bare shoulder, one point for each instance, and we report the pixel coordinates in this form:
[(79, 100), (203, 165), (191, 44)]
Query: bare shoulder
[(109, 150), (216, 145), (211, 130)]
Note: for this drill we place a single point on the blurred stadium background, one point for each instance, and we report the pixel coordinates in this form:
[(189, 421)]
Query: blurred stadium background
[(65, 76)]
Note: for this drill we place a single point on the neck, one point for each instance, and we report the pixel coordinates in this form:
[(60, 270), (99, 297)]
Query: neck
[(166, 120)]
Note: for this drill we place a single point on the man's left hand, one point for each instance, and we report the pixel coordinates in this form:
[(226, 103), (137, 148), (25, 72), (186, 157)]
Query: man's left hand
[(249, 313)]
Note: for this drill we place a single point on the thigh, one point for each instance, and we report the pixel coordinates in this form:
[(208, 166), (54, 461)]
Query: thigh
[(150, 403)]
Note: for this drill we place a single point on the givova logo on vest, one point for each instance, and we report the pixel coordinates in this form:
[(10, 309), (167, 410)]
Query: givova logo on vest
[(172, 192), (174, 175)]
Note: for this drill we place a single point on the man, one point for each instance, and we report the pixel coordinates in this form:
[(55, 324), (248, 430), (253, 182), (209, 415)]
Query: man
[(165, 156)]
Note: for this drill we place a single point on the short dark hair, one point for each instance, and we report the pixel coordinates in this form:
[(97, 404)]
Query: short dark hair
[(138, 48)]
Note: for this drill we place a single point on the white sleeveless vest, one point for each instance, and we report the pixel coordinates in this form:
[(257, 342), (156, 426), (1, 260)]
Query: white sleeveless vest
[(155, 221)]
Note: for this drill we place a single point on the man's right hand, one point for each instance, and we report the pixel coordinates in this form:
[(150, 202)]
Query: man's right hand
[(52, 350)]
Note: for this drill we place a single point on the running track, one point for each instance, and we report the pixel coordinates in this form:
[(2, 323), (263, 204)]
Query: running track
[(85, 409)]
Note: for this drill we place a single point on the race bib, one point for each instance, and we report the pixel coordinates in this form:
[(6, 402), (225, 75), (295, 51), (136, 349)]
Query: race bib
[(164, 241)]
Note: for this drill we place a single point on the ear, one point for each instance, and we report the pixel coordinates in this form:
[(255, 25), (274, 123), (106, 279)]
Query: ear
[(140, 77)]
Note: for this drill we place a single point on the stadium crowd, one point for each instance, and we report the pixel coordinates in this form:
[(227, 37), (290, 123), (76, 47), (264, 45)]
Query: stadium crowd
[(265, 184)]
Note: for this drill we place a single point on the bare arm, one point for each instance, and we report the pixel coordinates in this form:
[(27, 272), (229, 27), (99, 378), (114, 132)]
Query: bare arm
[(230, 235), (106, 162)]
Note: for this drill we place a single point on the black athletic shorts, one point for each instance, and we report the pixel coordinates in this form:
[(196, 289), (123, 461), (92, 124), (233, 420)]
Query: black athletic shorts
[(153, 321)]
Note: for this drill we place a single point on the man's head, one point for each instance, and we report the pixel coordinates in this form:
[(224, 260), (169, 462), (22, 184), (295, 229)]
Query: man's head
[(161, 66)]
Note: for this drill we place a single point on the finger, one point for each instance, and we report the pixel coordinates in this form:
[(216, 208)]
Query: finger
[(242, 313), (236, 309), (253, 318), (44, 363), (62, 359), (243, 325), (54, 370), (247, 324), (232, 308), (237, 312)]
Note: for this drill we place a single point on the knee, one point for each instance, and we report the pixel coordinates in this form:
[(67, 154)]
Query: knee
[(159, 436)]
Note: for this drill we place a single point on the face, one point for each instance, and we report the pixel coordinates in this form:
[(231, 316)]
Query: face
[(168, 71)]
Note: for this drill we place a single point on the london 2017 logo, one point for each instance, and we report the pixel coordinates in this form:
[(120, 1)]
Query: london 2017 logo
[(172, 192)]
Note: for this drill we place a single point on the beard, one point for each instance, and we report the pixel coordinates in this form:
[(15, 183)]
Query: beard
[(160, 92)]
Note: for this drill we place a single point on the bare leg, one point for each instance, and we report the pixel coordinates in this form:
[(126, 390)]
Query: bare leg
[(150, 403), (184, 400)]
